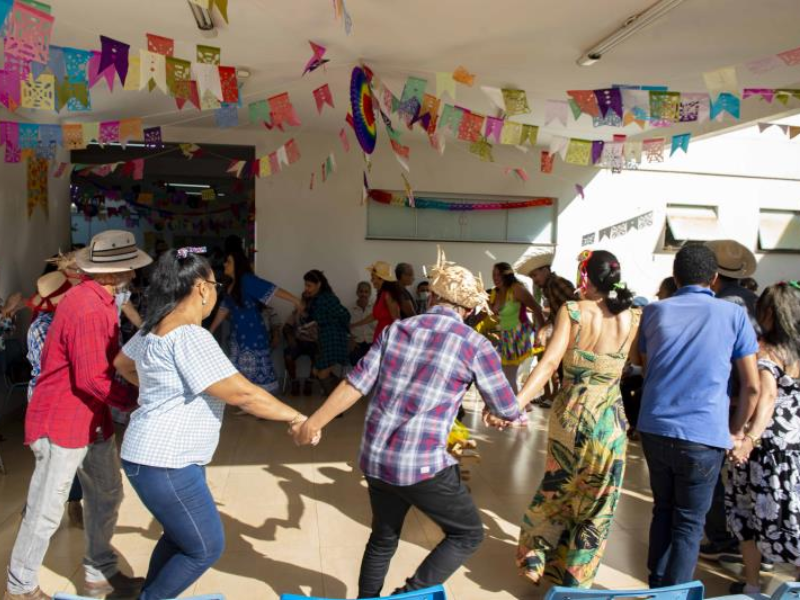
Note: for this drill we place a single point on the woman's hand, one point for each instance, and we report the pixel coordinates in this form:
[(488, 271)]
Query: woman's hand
[(303, 434), (740, 453)]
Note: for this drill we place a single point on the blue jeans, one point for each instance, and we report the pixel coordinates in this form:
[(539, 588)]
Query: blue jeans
[(193, 537), (682, 476)]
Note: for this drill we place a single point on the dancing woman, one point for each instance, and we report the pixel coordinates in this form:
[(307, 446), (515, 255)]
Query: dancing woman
[(565, 528)]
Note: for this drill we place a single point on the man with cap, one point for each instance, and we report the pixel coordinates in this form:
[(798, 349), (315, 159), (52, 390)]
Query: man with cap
[(416, 375), (734, 262), (68, 424)]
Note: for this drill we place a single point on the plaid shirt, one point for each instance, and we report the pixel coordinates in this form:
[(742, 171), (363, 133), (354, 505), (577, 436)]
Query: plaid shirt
[(558, 291), (37, 333), (420, 368), (70, 404)]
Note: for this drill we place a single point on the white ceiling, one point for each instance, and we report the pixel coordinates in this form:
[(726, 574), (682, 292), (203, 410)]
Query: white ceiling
[(527, 44)]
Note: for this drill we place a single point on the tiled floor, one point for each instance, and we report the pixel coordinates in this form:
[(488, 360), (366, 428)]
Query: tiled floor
[(297, 519)]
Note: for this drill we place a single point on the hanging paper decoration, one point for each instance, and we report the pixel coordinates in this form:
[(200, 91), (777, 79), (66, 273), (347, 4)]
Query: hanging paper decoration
[(209, 55), (37, 185), (494, 128), (258, 112), (39, 94), (363, 111), (665, 105), (579, 152), (208, 194), (322, 95), (152, 137), (445, 84), (227, 116), (764, 93), (530, 133), (597, 151), (547, 162), (451, 118), (763, 65), (413, 95), (75, 62), (187, 91), (790, 58), (229, 85), (153, 71), (556, 110), (609, 100), (512, 133), (579, 190), (471, 127), (482, 149), (721, 81), (10, 137), (282, 111), (209, 84), (680, 142), (586, 100), (516, 102), (464, 77), (654, 150), (725, 103), (292, 151), (316, 60), (340, 10), (178, 70), (114, 56), (386, 197), (27, 33), (345, 141), (109, 132), (72, 134), (134, 75), (160, 45)]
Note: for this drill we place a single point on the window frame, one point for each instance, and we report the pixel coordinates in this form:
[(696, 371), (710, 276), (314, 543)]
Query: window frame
[(761, 250), (663, 246)]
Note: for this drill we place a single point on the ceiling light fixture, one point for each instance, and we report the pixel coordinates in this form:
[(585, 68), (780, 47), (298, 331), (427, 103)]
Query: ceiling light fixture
[(202, 16), (630, 26)]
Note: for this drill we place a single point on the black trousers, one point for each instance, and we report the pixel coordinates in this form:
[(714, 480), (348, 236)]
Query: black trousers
[(446, 501)]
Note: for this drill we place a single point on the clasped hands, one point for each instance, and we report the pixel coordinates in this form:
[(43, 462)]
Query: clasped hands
[(302, 433), (742, 447)]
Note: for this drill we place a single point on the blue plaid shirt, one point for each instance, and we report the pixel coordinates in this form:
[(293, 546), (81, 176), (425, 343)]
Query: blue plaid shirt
[(36, 336), (420, 368)]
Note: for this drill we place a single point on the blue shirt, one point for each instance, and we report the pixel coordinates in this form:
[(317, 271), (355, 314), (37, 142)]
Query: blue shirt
[(36, 336), (690, 341)]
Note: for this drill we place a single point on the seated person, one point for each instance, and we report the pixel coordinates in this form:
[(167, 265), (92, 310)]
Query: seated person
[(300, 335), (361, 337)]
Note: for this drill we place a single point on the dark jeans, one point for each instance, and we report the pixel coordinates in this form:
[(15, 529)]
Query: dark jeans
[(716, 519), (682, 477), (76, 491), (359, 352), (631, 390), (193, 537), (447, 502)]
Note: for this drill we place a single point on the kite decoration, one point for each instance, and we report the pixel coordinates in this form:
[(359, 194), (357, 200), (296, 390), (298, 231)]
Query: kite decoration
[(364, 123), (316, 61)]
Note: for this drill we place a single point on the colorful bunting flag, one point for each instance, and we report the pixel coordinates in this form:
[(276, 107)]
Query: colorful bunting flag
[(152, 137), (725, 103), (654, 149), (292, 151), (114, 56), (160, 45), (586, 101), (680, 142), (322, 96), (451, 118), (209, 55), (464, 77), (445, 84), (482, 149), (609, 100), (556, 110), (721, 81), (229, 85), (227, 115), (471, 127), (37, 184), (27, 34), (40, 93), (282, 111), (316, 60), (579, 152), (516, 102), (345, 141)]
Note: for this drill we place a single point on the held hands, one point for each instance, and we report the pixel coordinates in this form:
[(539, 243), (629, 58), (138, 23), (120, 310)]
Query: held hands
[(742, 447), (303, 434), (491, 420)]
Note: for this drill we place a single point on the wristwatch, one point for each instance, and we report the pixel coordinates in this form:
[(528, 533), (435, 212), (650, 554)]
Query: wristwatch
[(756, 441)]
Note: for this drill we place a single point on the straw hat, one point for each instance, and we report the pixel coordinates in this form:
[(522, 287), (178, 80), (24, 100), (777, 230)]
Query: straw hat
[(112, 251), (457, 285), (51, 289), (733, 259), (535, 258), (383, 270)]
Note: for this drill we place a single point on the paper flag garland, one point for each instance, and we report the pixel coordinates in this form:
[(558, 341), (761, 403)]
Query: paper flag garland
[(494, 128), (322, 96), (114, 55), (516, 102), (586, 101), (27, 33), (152, 137), (316, 60), (725, 103), (579, 152), (451, 118), (227, 115), (609, 100), (363, 111), (680, 142), (721, 80), (37, 185), (292, 151), (790, 58), (556, 110), (228, 85), (482, 149), (38, 94), (160, 45), (209, 55), (345, 141), (153, 71), (464, 77), (471, 127), (282, 111), (654, 149), (445, 84)]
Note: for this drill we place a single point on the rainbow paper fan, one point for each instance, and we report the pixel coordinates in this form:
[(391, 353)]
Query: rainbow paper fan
[(363, 112)]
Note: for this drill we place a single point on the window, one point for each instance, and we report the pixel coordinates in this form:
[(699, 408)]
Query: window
[(779, 230), (687, 223), (535, 225)]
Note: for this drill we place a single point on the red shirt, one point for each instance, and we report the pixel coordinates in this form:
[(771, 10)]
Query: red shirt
[(70, 403), (382, 313)]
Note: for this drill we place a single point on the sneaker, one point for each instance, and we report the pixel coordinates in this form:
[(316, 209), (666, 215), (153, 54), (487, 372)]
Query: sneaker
[(120, 586), (714, 550), (734, 559), (75, 513), (36, 594)]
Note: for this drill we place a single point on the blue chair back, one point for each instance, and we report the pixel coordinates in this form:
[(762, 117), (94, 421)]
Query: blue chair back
[(431, 593), (686, 591), (788, 591), (63, 596)]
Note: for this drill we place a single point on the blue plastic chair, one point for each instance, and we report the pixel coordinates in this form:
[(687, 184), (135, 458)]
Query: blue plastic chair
[(62, 596), (432, 593), (787, 591), (687, 591)]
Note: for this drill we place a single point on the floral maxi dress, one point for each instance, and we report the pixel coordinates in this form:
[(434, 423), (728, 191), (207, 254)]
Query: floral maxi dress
[(569, 519), (763, 495)]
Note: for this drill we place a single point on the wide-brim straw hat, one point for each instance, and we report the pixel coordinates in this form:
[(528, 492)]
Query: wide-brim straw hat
[(383, 270), (112, 251), (50, 289), (733, 259), (534, 259), (457, 285)]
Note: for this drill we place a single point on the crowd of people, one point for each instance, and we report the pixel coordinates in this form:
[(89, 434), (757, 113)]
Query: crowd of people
[(707, 377)]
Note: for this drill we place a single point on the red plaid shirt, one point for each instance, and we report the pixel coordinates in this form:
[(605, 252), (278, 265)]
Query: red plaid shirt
[(70, 404)]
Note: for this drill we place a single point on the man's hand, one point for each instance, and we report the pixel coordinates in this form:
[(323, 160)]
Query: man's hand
[(491, 420), (303, 434), (742, 447)]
